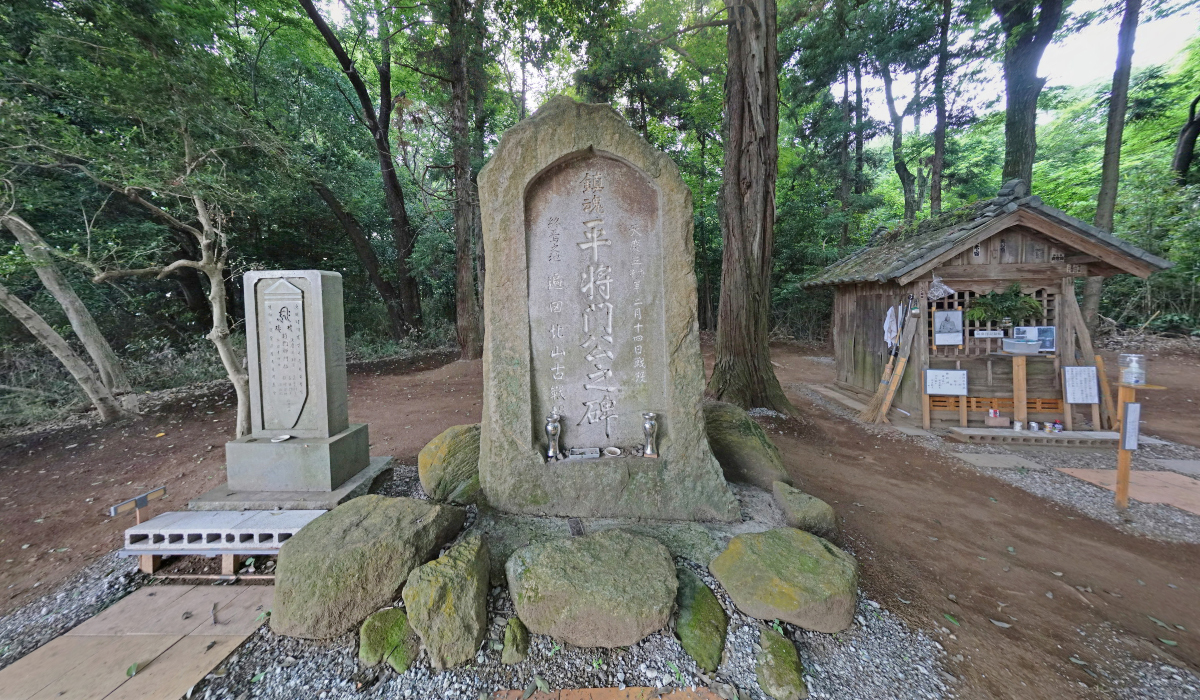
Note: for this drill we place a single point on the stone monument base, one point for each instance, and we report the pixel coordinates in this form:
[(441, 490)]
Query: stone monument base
[(225, 498), (254, 463)]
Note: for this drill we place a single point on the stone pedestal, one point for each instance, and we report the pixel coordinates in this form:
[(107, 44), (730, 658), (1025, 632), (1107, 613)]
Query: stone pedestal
[(301, 440), (592, 319)]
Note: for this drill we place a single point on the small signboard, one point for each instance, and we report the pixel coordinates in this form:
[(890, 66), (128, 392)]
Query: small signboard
[(1130, 426), (1080, 385), (989, 334), (946, 382), (948, 327)]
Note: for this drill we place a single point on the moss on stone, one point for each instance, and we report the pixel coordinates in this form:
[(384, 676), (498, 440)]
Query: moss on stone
[(449, 465), (780, 674), (446, 601), (386, 636), (702, 621), (741, 446), (516, 642), (805, 512)]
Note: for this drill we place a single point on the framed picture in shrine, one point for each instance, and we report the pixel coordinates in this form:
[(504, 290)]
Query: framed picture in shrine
[(948, 327)]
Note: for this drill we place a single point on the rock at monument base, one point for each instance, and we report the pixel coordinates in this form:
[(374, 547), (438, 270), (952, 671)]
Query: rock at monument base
[(449, 465), (352, 560), (805, 512), (516, 642), (446, 601), (610, 589), (741, 446), (702, 621), (386, 636), (780, 674), (790, 575)]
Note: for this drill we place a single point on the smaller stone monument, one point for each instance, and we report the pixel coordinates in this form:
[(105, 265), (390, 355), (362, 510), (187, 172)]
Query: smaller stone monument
[(302, 452)]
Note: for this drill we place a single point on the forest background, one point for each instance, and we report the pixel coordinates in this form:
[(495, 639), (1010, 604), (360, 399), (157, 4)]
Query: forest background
[(151, 151)]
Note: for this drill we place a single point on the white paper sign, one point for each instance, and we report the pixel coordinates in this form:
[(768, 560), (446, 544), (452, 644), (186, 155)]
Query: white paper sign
[(1130, 426), (948, 327), (989, 334), (946, 382), (1080, 383)]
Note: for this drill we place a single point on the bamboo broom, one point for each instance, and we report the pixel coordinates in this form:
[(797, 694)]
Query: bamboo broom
[(868, 414)]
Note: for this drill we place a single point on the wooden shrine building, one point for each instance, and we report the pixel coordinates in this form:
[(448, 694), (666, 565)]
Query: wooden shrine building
[(980, 248)]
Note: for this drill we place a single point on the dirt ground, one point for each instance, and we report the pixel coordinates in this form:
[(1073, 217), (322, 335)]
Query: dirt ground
[(923, 527), (1173, 413)]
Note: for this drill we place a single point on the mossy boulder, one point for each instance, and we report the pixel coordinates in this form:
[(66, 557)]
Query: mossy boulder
[(352, 561), (610, 589), (446, 601), (780, 674), (449, 465), (805, 512), (516, 642), (741, 446), (702, 622), (790, 575), (386, 636)]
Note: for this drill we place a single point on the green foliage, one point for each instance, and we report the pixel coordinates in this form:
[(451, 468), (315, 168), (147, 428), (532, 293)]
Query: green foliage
[(1010, 304)]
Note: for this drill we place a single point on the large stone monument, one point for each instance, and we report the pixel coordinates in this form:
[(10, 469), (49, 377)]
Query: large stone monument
[(302, 452), (593, 379)]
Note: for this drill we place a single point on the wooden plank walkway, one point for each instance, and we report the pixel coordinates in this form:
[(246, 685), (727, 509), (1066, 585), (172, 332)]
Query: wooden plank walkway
[(1173, 489), (171, 632)]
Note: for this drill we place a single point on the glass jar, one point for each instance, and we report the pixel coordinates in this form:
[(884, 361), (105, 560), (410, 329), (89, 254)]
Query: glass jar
[(1133, 369)]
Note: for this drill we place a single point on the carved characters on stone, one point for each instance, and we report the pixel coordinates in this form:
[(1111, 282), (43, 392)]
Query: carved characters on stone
[(285, 372)]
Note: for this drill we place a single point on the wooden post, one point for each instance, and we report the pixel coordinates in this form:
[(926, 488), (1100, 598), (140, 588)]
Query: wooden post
[(1020, 401), (962, 400), (229, 564), (1106, 394), (1125, 394), (926, 410), (149, 563), (1068, 424)]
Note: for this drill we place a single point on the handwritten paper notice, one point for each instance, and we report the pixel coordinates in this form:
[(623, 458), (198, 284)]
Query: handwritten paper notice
[(1130, 426), (1080, 384), (946, 382)]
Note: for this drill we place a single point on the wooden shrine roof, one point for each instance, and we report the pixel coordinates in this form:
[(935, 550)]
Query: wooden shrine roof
[(905, 253)]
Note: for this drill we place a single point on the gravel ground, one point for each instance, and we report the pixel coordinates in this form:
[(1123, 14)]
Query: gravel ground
[(1155, 520), (95, 588)]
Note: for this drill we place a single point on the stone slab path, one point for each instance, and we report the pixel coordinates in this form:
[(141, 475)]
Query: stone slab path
[(169, 631), (1183, 466), (611, 694), (1170, 488), (991, 461)]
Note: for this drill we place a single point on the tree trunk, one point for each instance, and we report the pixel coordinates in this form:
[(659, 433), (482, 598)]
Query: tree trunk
[(860, 186), (1110, 173), (1025, 41), (1185, 145), (377, 123), (99, 395), (466, 304), (367, 258), (844, 186), (742, 374), (907, 180), (938, 164), (479, 88), (108, 366)]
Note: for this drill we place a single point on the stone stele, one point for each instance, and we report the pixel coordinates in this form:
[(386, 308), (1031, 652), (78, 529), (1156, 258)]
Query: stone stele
[(296, 352), (591, 314)]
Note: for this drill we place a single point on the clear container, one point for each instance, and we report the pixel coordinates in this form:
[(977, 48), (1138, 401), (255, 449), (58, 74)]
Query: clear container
[(1133, 369)]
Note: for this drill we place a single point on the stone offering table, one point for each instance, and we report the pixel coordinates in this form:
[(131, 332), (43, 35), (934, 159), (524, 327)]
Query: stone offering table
[(591, 317)]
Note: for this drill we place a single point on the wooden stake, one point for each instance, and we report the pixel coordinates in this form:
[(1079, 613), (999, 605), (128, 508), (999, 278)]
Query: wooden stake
[(1020, 402), (962, 402), (229, 564), (149, 563), (1067, 412), (1125, 395), (1106, 395)]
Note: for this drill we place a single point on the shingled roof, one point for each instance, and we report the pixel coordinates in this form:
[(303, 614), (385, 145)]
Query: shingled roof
[(904, 249)]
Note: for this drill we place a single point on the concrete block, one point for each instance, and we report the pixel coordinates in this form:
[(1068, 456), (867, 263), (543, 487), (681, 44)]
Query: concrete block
[(225, 498), (254, 463)]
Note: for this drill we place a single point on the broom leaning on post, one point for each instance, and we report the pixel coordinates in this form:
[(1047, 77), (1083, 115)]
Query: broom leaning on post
[(892, 374)]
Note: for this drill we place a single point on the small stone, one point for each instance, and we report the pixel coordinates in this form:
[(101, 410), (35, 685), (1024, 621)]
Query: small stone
[(790, 575), (446, 601), (805, 512), (384, 636), (448, 465), (780, 674), (741, 446), (702, 621), (516, 642)]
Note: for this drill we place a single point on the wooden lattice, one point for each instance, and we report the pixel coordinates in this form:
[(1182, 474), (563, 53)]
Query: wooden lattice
[(977, 347), (981, 404)]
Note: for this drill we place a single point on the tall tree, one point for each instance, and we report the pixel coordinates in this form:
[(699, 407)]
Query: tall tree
[(378, 122), (464, 38), (1185, 144), (742, 374), (907, 179), (938, 163), (1110, 171), (1029, 26)]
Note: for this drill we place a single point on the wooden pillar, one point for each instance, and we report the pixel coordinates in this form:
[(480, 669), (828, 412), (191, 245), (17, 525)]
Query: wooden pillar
[(1020, 400), (962, 400), (230, 563), (1125, 394), (1106, 395), (149, 563)]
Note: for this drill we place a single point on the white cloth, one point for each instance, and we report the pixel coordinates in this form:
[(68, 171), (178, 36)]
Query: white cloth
[(890, 327)]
